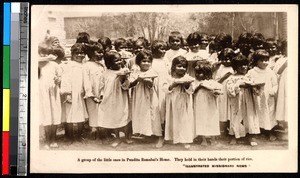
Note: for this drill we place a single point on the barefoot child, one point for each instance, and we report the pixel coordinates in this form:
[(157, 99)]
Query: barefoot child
[(265, 102), (205, 102), (225, 70), (50, 54), (179, 104), (145, 106), (72, 89), (114, 106), (241, 111), (94, 70)]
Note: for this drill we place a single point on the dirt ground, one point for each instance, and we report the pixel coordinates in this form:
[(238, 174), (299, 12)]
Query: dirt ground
[(148, 144)]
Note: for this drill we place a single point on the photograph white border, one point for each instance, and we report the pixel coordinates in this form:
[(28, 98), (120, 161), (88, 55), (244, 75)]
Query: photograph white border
[(66, 161)]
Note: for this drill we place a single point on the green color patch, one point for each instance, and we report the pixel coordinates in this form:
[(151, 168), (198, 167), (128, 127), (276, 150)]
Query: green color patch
[(6, 66)]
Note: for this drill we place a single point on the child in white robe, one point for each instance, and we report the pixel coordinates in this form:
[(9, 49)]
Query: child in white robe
[(265, 102), (145, 105), (180, 121), (114, 108), (205, 102)]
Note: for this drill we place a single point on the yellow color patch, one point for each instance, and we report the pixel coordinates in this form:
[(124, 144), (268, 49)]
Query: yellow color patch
[(6, 109)]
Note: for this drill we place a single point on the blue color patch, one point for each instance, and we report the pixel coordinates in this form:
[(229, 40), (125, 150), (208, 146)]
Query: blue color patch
[(6, 24)]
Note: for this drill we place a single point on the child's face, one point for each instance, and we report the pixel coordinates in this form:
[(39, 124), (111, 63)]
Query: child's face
[(139, 47), (180, 69), (98, 56), (242, 69), (199, 75), (272, 50), (78, 56), (121, 47), (145, 64), (226, 62), (244, 47), (118, 63), (263, 63), (161, 51), (257, 46), (55, 43), (203, 43), (194, 48), (175, 43)]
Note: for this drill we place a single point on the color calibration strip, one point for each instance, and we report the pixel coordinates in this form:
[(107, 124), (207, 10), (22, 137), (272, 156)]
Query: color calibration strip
[(14, 84), (6, 88)]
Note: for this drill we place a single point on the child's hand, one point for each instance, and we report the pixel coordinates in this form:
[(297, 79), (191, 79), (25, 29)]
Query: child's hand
[(187, 85), (173, 85), (217, 92), (256, 91), (148, 82), (97, 100), (68, 99), (57, 80)]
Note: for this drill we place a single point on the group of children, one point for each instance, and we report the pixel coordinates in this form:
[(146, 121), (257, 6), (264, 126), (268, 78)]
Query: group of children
[(214, 86)]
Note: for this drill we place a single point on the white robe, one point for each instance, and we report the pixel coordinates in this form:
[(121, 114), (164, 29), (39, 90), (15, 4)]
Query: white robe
[(265, 103), (94, 72), (180, 123), (49, 93), (145, 107)]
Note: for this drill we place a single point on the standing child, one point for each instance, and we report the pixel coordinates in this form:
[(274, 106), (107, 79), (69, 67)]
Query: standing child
[(265, 102), (271, 47), (280, 68), (222, 74), (205, 102), (72, 88), (179, 104), (114, 107), (145, 106), (121, 46), (203, 46), (175, 42), (159, 65), (50, 54), (241, 111), (193, 41), (94, 69), (139, 45)]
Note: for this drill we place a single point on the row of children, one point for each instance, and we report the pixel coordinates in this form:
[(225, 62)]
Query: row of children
[(174, 94)]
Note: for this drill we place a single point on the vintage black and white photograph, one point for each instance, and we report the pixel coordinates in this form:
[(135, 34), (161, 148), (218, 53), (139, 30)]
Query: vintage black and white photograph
[(194, 84)]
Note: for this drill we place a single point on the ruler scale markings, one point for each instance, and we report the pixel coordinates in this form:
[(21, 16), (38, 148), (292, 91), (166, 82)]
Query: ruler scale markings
[(23, 90)]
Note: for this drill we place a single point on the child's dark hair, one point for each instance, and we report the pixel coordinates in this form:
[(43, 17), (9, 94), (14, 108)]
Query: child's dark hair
[(83, 37), (92, 47), (245, 38), (223, 40), (176, 35), (193, 39), (142, 40), (105, 42), (119, 42), (257, 40), (282, 47), (47, 47), (178, 60), (205, 68), (77, 48), (225, 54), (260, 54), (109, 58), (239, 60), (203, 36), (143, 55), (156, 45)]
